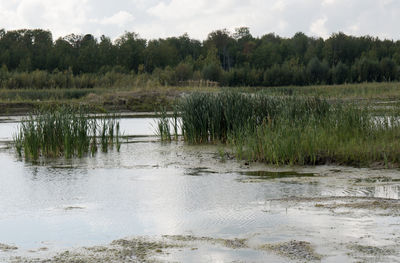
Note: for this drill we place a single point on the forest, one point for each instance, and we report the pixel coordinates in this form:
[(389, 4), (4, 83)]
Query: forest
[(32, 59)]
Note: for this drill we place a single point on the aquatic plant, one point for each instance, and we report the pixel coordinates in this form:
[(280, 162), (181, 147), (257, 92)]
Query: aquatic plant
[(64, 131), (162, 125), (212, 117), (167, 126), (291, 129)]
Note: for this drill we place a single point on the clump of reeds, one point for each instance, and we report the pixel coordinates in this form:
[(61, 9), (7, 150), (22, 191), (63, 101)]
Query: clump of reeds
[(167, 126), (291, 130), (212, 117), (64, 131)]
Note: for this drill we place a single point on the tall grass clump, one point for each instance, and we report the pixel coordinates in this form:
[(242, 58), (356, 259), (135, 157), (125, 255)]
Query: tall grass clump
[(292, 130), (167, 127), (215, 117), (64, 131)]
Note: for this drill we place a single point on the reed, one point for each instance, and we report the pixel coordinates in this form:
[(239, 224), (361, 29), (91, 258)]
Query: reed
[(64, 131), (292, 129), (167, 127), (212, 117)]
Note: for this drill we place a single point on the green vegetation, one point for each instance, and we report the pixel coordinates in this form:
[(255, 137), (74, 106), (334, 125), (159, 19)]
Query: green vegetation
[(165, 123), (292, 129), (139, 99), (25, 95), (65, 131), (363, 91), (31, 59)]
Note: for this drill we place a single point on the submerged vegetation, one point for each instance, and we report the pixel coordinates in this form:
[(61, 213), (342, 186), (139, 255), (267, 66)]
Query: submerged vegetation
[(65, 131), (292, 130)]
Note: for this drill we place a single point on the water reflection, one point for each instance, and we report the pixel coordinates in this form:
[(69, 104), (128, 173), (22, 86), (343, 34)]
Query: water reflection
[(387, 191)]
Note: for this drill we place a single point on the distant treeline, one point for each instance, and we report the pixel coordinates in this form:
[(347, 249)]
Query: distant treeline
[(32, 59)]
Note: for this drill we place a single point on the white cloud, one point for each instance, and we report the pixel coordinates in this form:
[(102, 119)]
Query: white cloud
[(61, 17), (161, 18), (319, 29), (279, 5), (177, 9), (328, 2), (119, 19)]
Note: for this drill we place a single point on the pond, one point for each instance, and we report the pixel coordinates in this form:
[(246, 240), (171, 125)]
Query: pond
[(216, 208)]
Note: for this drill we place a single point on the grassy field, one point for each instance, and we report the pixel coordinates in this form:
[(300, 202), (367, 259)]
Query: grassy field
[(373, 91), (150, 98), (144, 99)]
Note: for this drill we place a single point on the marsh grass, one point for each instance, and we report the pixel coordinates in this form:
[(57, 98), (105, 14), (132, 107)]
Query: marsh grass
[(292, 129), (167, 125), (215, 117), (24, 95), (372, 90), (64, 131)]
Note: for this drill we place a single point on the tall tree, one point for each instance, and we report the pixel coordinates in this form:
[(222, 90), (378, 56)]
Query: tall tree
[(130, 50), (223, 41)]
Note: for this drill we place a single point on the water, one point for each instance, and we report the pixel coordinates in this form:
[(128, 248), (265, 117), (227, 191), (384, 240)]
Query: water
[(129, 127), (152, 189)]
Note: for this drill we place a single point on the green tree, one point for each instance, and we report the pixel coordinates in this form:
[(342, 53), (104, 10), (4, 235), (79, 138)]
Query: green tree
[(340, 73), (224, 43), (159, 54), (389, 69), (317, 71), (88, 58), (130, 50)]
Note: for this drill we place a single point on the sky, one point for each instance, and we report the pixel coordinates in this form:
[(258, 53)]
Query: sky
[(164, 18)]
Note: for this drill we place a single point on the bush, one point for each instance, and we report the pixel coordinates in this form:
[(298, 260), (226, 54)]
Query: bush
[(212, 72), (183, 72), (317, 71), (340, 73)]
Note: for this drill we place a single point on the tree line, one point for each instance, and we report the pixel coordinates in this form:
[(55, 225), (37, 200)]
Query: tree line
[(32, 57)]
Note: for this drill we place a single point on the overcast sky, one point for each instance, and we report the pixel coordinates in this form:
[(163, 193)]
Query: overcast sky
[(162, 18)]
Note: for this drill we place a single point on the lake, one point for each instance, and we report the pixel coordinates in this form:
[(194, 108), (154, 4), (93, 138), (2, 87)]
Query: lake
[(216, 208)]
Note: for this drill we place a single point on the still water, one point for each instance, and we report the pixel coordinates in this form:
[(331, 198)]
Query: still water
[(152, 189)]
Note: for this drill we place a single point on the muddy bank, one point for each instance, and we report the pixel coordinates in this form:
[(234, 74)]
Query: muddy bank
[(294, 250), (162, 250), (181, 248), (5, 247), (123, 250), (381, 206)]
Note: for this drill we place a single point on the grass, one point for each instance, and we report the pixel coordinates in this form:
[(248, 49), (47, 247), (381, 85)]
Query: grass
[(279, 125), (167, 127), (29, 95), (374, 90), (291, 129), (138, 99), (150, 96), (65, 131)]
